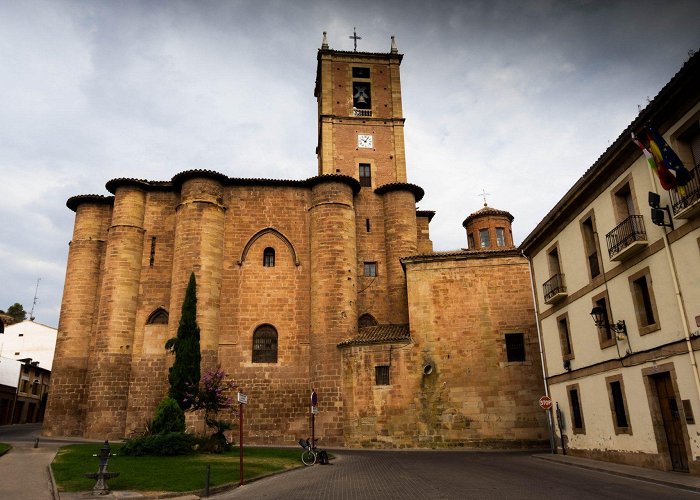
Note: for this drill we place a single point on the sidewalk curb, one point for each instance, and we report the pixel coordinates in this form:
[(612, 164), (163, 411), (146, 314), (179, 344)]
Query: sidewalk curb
[(603, 467), (54, 489)]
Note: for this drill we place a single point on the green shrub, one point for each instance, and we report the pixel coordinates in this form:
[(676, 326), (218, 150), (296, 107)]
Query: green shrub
[(169, 418), (172, 443)]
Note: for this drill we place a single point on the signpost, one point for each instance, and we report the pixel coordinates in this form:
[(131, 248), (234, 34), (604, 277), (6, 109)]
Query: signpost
[(314, 411), (545, 402), (242, 400)]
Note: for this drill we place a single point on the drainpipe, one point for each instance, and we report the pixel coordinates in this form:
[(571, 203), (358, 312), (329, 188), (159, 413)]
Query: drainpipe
[(544, 369)]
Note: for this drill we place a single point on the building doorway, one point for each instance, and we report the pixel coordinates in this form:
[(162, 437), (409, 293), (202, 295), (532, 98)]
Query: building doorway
[(670, 416)]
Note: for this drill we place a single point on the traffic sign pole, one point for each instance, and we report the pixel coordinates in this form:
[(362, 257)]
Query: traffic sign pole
[(314, 403), (242, 400)]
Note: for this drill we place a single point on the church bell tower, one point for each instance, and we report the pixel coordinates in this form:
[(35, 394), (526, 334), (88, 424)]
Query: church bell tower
[(360, 119)]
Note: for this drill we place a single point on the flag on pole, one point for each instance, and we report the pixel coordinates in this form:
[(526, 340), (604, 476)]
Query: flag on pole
[(669, 158), (666, 178)]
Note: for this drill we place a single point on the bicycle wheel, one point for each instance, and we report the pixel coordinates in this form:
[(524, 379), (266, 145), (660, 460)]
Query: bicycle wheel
[(308, 457)]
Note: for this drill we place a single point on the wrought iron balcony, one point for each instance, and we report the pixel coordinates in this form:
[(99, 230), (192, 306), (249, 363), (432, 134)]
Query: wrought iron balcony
[(554, 289), (687, 204), (628, 238)]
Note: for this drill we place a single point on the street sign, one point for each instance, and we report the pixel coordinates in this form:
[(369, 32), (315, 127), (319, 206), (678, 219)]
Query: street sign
[(242, 398), (314, 410), (314, 398), (545, 402)]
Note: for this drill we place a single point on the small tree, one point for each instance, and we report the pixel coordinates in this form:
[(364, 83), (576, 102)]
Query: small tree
[(214, 397), (169, 418), (185, 370), (17, 311)]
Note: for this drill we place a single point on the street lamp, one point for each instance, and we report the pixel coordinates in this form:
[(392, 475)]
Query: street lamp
[(600, 319)]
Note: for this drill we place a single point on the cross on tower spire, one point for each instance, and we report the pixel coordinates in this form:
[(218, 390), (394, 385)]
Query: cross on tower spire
[(484, 194), (354, 37)]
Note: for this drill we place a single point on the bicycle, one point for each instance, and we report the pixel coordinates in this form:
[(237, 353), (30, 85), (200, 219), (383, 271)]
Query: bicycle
[(308, 456)]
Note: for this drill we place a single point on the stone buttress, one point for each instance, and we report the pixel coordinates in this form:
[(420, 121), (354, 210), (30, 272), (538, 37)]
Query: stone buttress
[(333, 294), (110, 361), (69, 383)]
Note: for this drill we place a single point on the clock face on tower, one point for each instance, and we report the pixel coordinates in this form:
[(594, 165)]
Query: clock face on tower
[(365, 141)]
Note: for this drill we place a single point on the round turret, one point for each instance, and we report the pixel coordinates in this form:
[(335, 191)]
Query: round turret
[(489, 229)]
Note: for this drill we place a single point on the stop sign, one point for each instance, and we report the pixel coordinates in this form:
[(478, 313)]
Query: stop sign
[(545, 402)]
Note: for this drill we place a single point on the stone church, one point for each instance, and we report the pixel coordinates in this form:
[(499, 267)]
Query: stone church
[(328, 283)]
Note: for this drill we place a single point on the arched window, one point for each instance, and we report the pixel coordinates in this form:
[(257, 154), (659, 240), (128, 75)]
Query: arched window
[(158, 317), (366, 320), (265, 344), (269, 257)]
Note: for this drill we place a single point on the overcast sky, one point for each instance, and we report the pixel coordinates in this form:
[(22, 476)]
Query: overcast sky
[(517, 98)]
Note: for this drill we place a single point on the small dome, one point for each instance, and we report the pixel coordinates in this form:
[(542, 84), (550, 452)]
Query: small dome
[(489, 229), (487, 210)]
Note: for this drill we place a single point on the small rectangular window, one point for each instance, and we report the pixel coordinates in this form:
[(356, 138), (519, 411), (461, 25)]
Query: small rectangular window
[(567, 350), (381, 375), (367, 224), (515, 347), (269, 257), (152, 258), (500, 236), (365, 175), (360, 72), (644, 299), (590, 246), (576, 413), (618, 404), (553, 260), (605, 333), (484, 239), (644, 303), (370, 269)]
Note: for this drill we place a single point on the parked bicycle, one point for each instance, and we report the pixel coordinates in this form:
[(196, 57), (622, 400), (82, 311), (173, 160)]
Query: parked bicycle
[(308, 456)]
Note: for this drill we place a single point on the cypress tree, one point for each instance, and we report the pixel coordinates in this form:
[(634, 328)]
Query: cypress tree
[(184, 374)]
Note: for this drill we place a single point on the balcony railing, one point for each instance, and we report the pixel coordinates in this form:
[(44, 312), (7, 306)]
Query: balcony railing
[(687, 203), (554, 289), (628, 237), (361, 112)]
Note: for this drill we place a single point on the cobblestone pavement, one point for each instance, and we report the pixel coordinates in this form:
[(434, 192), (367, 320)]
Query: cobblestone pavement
[(448, 475)]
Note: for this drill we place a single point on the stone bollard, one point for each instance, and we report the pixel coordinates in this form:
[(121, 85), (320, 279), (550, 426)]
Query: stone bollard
[(102, 475)]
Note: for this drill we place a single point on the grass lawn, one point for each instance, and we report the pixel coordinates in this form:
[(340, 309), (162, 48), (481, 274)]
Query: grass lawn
[(3, 448), (181, 473)]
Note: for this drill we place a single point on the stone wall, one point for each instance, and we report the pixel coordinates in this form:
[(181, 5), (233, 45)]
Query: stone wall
[(453, 386)]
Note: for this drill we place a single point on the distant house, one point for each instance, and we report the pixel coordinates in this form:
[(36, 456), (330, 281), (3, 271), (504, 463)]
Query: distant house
[(26, 357)]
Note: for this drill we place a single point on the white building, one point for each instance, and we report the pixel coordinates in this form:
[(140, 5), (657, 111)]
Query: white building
[(26, 357), (628, 389)]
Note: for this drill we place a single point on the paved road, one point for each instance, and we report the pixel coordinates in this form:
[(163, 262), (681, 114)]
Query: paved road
[(367, 475), (23, 470), (448, 475)]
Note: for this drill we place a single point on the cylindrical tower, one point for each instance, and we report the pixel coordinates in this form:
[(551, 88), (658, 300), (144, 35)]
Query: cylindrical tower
[(333, 293), (401, 236), (199, 234), (65, 412), (110, 364), (489, 229)]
